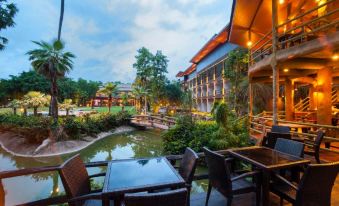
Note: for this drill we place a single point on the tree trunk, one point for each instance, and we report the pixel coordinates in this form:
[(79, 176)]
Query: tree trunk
[(109, 103), (123, 108), (62, 8), (54, 95), (145, 105), (14, 110), (25, 112), (92, 104), (67, 112), (35, 111)]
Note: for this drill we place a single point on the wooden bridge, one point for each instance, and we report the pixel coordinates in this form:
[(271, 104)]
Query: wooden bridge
[(155, 121)]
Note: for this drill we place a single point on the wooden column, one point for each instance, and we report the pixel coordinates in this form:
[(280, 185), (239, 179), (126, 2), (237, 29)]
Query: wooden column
[(312, 97), (324, 96), (223, 81), (274, 62), (2, 194), (289, 99), (250, 103)]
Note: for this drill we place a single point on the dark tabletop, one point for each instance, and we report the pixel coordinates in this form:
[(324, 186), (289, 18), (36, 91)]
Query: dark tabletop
[(266, 158), (140, 175)]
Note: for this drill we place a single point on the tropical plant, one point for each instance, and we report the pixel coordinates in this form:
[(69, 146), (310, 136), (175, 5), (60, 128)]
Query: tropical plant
[(53, 62), (67, 105), (109, 90), (7, 13), (35, 100), (14, 104), (124, 100), (220, 113)]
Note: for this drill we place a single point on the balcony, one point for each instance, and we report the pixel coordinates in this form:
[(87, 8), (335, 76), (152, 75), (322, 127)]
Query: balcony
[(300, 36)]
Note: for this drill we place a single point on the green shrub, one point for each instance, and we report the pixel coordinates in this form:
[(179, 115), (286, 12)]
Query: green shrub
[(37, 128), (189, 133)]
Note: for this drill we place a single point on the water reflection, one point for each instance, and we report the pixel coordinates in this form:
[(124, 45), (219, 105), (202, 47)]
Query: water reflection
[(28, 188)]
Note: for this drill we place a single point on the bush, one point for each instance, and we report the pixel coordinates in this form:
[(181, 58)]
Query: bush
[(189, 133), (37, 128)]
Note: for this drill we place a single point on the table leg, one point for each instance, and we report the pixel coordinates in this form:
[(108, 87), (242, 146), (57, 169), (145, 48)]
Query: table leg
[(105, 201), (266, 188)]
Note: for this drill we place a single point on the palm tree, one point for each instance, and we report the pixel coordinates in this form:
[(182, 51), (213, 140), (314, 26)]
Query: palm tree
[(137, 93), (141, 92), (67, 105), (109, 89), (14, 104), (124, 100), (35, 100), (51, 61), (62, 8)]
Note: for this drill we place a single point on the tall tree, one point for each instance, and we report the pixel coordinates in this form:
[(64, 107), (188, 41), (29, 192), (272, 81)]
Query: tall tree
[(53, 62), (7, 13), (62, 8), (109, 90)]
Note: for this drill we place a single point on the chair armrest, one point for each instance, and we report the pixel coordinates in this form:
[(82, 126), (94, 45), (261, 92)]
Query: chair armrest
[(244, 175), (90, 196), (97, 175), (285, 181)]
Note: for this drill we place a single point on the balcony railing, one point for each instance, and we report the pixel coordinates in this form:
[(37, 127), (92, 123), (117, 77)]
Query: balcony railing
[(316, 22)]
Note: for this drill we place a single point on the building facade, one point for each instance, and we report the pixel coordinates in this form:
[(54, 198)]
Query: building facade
[(102, 100), (204, 78)]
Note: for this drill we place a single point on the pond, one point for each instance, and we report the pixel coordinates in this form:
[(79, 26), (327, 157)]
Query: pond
[(135, 144)]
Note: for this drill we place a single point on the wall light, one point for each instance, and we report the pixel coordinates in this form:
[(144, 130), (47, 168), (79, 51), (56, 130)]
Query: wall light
[(249, 43), (281, 1), (335, 57), (286, 70)]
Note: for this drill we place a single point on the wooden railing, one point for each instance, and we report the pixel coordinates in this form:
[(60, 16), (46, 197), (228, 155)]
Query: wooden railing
[(301, 31), (261, 124)]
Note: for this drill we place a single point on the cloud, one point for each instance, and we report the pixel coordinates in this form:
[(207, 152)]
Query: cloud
[(105, 34)]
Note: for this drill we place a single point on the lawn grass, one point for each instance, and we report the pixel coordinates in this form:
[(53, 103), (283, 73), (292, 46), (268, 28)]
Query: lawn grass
[(114, 109)]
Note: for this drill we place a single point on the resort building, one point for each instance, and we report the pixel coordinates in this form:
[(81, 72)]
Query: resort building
[(102, 100), (204, 78)]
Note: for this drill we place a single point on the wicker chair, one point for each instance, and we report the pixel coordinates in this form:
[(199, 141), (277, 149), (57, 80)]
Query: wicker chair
[(271, 138), (281, 129), (290, 147), (167, 198), (220, 178), (315, 149), (76, 182), (314, 188), (187, 168)]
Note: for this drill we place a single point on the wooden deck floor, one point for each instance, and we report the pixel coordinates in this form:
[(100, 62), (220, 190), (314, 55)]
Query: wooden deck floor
[(217, 199)]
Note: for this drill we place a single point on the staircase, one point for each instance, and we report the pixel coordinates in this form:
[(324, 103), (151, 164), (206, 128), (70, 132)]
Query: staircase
[(304, 104)]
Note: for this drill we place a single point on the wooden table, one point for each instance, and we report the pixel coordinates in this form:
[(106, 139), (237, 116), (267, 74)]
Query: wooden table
[(300, 127), (267, 160), (139, 175)]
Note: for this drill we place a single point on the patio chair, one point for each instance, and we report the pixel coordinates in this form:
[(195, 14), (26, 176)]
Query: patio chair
[(167, 198), (76, 182), (187, 168), (220, 178), (281, 129), (314, 188), (315, 146), (271, 138), (292, 148)]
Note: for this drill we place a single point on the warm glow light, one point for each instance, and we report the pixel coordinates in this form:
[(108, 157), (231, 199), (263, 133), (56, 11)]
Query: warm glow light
[(286, 70), (249, 43), (271, 77), (281, 1), (335, 57)]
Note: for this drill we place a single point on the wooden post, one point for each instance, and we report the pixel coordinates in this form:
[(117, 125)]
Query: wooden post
[(312, 97), (250, 103), (2, 194), (289, 99), (324, 96), (274, 62)]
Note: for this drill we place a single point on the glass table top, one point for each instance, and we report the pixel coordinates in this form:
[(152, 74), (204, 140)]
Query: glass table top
[(133, 174), (266, 157)]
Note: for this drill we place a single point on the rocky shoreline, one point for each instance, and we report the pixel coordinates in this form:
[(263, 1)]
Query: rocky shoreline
[(17, 145)]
